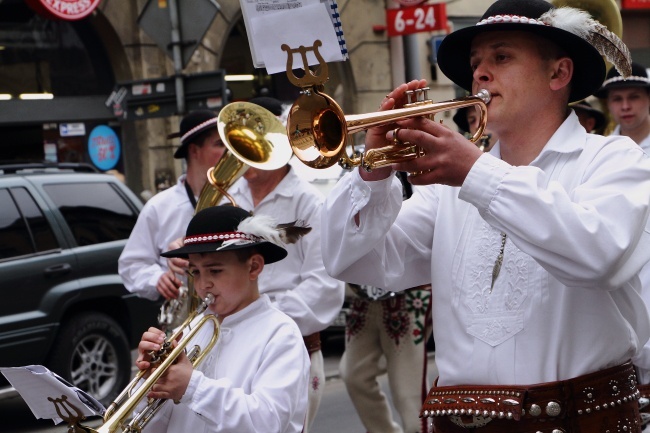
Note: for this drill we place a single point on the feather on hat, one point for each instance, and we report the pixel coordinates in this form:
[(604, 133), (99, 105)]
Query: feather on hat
[(581, 24), (224, 228)]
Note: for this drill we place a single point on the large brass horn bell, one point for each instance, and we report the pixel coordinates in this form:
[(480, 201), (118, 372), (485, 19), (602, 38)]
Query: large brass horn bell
[(253, 137)]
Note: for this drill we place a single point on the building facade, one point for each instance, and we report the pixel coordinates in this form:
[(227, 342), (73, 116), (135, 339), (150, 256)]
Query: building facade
[(81, 64)]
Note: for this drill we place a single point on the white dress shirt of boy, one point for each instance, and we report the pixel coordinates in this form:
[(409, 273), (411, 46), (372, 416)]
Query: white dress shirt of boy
[(254, 379)]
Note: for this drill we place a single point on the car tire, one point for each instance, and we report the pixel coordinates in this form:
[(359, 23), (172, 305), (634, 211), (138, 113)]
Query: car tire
[(93, 354)]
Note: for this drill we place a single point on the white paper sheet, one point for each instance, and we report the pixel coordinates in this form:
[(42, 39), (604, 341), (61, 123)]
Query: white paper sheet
[(271, 23), (36, 383)]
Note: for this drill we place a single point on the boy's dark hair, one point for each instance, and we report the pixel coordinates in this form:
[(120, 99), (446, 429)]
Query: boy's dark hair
[(245, 253)]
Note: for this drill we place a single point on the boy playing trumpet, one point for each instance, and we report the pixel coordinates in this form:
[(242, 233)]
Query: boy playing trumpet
[(255, 378)]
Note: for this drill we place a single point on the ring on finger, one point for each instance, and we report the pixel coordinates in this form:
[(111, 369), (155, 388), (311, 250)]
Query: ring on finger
[(418, 173), (395, 139)]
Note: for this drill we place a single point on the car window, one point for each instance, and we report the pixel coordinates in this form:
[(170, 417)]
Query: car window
[(95, 212), (39, 227), (14, 235), (23, 227)]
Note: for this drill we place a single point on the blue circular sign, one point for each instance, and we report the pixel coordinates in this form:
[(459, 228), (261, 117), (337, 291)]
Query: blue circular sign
[(104, 147)]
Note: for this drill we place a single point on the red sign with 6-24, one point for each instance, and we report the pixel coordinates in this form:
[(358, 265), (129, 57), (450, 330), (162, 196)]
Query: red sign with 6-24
[(416, 19)]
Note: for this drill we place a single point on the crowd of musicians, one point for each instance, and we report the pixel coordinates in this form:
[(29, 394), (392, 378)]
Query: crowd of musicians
[(526, 253)]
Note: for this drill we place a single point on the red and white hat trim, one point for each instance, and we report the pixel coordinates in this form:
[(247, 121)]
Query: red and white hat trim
[(199, 127), (216, 237), (499, 19)]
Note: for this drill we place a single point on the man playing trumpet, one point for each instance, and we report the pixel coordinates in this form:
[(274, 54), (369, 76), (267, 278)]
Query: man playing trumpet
[(533, 249)]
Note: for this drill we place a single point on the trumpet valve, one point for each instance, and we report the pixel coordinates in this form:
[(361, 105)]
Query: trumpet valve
[(417, 97)]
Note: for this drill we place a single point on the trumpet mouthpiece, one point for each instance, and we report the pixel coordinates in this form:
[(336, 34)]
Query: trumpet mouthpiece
[(209, 299), (484, 94)]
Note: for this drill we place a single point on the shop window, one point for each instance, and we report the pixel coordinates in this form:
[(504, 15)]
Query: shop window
[(65, 58)]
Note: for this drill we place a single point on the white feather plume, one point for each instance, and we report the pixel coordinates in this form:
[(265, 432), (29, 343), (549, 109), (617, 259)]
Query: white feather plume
[(262, 226), (266, 227), (572, 20), (581, 24)]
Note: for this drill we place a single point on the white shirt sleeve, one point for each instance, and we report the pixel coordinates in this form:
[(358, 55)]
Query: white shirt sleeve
[(139, 264), (384, 250), (575, 234), (315, 301)]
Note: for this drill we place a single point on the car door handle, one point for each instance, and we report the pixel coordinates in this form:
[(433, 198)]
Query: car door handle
[(53, 271)]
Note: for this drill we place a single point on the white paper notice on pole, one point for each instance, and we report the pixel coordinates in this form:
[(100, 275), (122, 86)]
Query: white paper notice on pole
[(272, 23)]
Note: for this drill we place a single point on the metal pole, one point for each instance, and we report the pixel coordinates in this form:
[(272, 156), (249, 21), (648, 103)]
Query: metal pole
[(177, 56), (411, 57), (396, 52)]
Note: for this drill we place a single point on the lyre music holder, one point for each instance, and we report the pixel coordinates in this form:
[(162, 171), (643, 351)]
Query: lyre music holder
[(311, 78), (63, 405)]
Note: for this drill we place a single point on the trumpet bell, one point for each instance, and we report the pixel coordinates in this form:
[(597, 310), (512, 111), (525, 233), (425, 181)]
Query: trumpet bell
[(317, 130)]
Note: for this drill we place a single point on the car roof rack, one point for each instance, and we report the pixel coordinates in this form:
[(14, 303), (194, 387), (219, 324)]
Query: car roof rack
[(11, 167)]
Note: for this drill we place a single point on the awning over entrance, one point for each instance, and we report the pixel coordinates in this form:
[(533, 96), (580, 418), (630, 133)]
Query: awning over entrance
[(59, 109)]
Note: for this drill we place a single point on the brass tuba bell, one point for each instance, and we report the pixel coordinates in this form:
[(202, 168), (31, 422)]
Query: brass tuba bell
[(253, 137)]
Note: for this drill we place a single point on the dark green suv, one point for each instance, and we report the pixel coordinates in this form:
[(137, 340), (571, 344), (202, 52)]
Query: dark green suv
[(63, 304)]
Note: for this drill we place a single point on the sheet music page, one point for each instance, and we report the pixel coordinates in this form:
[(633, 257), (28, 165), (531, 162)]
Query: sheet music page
[(271, 23), (36, 383)]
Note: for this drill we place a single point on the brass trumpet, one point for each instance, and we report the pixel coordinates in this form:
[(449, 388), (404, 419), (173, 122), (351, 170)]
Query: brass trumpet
[(120, 411), (318, 130)]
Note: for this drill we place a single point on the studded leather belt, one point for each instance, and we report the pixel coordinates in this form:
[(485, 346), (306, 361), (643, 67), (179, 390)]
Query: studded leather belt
[(644, 391), (644, 404), (583, 404)]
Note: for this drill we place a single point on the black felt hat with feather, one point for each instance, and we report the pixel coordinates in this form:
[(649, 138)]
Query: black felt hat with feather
[(584, 39), (225, 228)]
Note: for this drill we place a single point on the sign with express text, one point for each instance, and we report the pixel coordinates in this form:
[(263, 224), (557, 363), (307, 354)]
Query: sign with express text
[(67, 10), (416, 19)]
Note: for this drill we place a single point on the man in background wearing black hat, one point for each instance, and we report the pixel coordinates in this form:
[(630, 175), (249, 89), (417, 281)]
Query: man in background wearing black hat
[(533, 249), (592, 119), (298, 285), (467, 120), (628, 102), (165, 216)]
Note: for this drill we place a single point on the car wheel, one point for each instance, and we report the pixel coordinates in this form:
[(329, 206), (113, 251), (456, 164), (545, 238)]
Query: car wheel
[(92, 353)]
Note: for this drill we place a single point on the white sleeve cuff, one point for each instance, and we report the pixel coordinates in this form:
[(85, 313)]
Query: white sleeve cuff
[(483, 181)]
